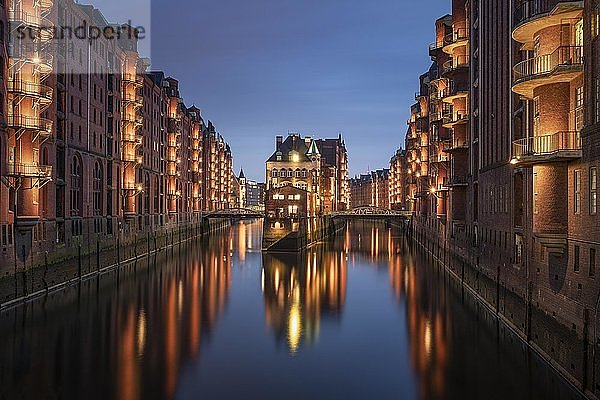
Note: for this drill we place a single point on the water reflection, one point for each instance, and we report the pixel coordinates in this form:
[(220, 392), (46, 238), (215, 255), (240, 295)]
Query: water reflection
[(124, 337), (362, 317), (299, 290)]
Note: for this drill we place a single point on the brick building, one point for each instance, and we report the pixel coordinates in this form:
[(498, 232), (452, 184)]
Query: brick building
[(398, 190), (501, 165), (95, 145), (372, 189)]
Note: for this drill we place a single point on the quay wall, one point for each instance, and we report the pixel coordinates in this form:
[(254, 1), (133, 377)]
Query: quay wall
[(92, 254), (566, 343)]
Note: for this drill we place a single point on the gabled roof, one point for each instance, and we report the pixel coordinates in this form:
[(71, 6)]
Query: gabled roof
[(293, 144)]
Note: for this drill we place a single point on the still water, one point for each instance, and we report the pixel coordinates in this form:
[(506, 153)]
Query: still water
[(366, 316)]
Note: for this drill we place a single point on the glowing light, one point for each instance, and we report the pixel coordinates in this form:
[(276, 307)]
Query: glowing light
[(427, 338), (36, 60), (295, 158), (295, 322), (514, 161), (141, 333), (433, 190)]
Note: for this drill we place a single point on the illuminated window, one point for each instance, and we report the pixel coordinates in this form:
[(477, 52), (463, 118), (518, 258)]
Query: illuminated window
[(577, 189), (579, 108), (593, 190)]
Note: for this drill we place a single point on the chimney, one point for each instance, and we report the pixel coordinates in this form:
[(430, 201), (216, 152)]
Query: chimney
[(307, 140), (278, 141)]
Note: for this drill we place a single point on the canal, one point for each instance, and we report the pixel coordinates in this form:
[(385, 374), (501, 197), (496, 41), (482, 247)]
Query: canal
[(366, 316)]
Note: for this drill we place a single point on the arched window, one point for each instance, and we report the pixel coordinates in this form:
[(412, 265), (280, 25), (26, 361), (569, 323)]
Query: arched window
[(290, 173), (304, 173), (298, 173), (274, 173), (97, 189), (76, 187)]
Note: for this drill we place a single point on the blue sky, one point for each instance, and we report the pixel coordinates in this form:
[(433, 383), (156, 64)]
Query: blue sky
[(259, 68)]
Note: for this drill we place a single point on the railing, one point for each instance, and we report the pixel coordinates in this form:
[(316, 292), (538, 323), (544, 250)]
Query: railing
[(132, 138), (44, 125), (454, 118), (133, 78), (30, 88), (526, 10), (133, 98), (132, 186), (133, 158), (29, 170), (547, 144), (455, 63), (134, 119), (563, 56), (457, 36)]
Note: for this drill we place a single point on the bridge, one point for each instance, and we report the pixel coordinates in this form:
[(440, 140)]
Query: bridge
[(372, 213), (235, 213)]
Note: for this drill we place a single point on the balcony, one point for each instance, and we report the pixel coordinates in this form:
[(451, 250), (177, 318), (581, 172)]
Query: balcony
[(133, 79), (455, 146), (136, 120), (135, 99), (560, 146), (455, 65), (562, 65), (132, 186), (450, 120), (137, 139), (454, 92), (29, 171), (32, 89), (530, 16), (458, 38), (43, 126), (132, 158)]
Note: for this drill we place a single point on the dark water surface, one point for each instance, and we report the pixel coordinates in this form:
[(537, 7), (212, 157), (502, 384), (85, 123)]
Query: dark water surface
[(366, 317)]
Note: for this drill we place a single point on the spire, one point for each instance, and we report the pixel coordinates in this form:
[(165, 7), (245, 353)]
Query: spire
[(242, 176), (313, 150)]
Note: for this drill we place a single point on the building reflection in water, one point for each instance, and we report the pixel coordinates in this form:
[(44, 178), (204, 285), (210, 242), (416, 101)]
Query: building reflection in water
[(169, 311), (299, 290), (428, 327), (249, 238)]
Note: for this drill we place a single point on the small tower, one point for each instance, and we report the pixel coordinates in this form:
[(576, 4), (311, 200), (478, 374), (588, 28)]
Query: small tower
[(243, 191)]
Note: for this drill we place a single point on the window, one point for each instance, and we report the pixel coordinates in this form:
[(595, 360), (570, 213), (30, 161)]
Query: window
[(76, 187), (592, 271), (577, 189), (579, 33), (576, 265), (593, 191), (535, 194), (579, 108), (97, 189), (274, 173)]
